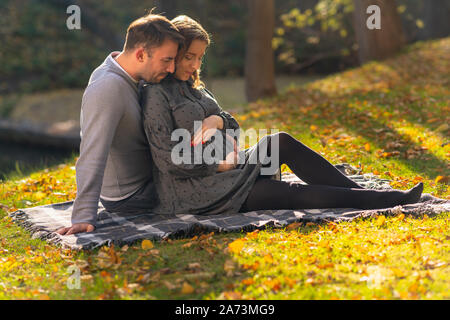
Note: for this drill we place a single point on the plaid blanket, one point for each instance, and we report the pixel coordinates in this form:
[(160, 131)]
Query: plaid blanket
[(120, 229)]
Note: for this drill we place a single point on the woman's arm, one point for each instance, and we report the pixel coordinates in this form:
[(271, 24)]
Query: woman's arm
[(229, 122), (158, 126)]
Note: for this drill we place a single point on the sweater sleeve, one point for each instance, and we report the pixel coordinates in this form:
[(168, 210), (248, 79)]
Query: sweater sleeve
[(158, 126), (101, 111)]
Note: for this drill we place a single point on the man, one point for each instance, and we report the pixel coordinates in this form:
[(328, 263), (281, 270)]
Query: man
[(115, 163)]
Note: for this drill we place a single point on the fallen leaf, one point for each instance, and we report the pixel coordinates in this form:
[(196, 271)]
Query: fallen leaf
[(187, 288), (228, 266), (194, 266), (147, 244), (380, 221), (169, 285), (232, 295), (294, 225), (325, 265), (442, 179), (187, 245), (248, 281), (39, 196), (236, 246), (199, 275)]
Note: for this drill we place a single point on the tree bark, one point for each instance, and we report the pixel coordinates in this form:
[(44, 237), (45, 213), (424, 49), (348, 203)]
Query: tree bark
[(259, 58), (167, 8), (436, 15), (377, 44)]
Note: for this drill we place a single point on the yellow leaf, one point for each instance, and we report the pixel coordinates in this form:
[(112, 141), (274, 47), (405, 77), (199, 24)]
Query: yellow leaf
[(313, 127), (398, 273), (39, 195), (236, 246), (367, 147), (324, 244), (268, 258), (253, 235), (380, 221), (442, 179), (147, 244), (325, 265), (187, 288)]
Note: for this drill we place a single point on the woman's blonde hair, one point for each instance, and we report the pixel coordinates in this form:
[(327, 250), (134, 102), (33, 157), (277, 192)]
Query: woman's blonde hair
[(191, 30)]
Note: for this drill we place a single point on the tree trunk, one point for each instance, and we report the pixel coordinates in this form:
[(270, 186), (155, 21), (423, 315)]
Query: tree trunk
[(167, 8), (381, 43), (259, 58), (436, 19)]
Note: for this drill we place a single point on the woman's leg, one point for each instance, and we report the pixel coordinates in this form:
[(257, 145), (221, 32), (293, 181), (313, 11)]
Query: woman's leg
[(274, 194), (309, 165)]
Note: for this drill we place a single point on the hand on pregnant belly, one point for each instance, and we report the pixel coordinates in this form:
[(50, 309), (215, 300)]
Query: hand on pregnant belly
[(229, 163), (208, 129)]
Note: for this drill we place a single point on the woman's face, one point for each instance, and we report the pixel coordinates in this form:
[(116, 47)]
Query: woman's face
[(191, 60)]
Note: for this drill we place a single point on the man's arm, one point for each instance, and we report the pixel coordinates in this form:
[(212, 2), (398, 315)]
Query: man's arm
[(102, 109)]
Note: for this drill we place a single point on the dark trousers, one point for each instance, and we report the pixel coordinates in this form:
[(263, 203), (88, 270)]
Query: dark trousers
[(327, 187), (143, 200)]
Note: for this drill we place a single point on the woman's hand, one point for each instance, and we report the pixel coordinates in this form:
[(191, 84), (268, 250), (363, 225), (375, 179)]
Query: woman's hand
[(229, 163), (209, 127), (232, 140)]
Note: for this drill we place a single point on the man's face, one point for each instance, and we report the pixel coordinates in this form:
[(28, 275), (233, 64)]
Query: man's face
[(161, 61)]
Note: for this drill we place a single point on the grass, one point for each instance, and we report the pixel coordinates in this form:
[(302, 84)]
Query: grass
[(388, 118)]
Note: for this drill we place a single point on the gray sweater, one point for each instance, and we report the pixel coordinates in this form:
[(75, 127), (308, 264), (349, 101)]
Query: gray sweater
[(115, 158)]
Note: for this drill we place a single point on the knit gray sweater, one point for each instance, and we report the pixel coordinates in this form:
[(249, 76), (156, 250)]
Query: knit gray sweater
[(115, 159)]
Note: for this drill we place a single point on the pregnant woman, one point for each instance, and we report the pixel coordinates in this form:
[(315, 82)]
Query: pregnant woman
[(236, 183)]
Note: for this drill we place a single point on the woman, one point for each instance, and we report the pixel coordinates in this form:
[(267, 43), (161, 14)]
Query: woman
[(227, 187)]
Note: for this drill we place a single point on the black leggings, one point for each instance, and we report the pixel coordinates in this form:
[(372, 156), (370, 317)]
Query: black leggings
[(326, 186)]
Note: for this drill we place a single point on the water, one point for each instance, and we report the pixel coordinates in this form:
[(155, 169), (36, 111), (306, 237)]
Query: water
[(21, 159)]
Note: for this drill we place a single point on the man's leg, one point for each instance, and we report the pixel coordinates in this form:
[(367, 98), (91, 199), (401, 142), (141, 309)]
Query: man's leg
[(142, 200)]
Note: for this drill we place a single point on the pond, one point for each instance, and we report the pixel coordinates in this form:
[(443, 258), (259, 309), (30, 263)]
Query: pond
[(21, 159)]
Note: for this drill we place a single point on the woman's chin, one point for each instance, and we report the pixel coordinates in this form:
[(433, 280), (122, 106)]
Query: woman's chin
[(182, 78)]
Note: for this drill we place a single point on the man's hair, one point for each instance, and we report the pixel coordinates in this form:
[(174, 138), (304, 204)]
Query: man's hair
[(151, 31)]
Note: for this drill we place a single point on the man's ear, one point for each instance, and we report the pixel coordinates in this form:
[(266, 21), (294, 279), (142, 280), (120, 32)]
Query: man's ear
[(140, 54)]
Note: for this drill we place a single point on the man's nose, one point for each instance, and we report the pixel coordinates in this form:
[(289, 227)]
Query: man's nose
[(171, 67)]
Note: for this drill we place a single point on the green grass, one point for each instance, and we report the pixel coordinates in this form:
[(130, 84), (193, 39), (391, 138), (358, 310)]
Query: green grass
[(388, 118)]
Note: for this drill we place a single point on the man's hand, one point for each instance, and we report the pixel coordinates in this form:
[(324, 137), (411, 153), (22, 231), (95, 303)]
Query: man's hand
[(76, 228), (229, 163)]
